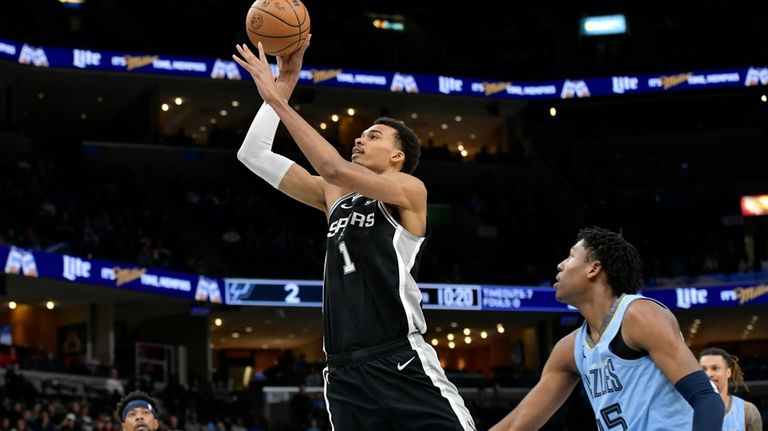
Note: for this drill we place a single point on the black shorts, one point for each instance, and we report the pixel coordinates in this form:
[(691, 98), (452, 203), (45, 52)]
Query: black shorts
[(395, 386)]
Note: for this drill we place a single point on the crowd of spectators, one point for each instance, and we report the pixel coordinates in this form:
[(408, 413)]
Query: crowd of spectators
[(484, 230), (214, 406)]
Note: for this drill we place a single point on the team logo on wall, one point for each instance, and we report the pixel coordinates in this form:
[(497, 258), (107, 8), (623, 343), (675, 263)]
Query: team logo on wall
[(21, 262), (34, 56), (573, 89), (225, 69), (208, 290), (404, 83), (756, 76)]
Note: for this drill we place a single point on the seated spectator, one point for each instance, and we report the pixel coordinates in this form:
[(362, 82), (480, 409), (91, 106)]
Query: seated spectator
[(9, 359), (114, 384)]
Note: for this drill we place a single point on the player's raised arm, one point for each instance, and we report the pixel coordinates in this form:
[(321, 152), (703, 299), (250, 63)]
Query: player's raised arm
[(558, 379), (256, 150), (648, 326), (392, 187)]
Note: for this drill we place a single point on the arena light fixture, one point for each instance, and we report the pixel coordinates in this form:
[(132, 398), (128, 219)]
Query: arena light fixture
[(72, 4), (12, 305), (754, 205), (387, 22), (603, 25)]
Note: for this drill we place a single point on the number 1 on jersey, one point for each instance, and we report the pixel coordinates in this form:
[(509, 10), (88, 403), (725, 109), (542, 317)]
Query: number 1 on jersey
[(349, 266)]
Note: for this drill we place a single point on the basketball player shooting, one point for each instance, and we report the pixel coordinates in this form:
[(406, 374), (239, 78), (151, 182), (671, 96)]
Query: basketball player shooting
[(381, 374), (629, 353)]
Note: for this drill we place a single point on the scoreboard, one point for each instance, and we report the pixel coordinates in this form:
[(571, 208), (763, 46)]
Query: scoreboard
[(435, 296)]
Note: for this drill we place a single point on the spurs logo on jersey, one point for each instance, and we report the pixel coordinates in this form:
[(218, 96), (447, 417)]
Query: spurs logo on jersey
[(370, 294), (356, 219)]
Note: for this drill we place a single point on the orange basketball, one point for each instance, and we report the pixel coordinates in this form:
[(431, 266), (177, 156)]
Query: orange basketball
[(281, 26)]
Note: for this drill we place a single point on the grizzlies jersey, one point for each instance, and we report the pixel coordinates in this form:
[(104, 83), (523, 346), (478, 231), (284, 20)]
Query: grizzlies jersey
[(370, 296), (735, 417), (627, 394)]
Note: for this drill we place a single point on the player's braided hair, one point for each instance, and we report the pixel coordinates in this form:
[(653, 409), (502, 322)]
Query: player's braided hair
[(619, 258), (732, 362), (408, 141)]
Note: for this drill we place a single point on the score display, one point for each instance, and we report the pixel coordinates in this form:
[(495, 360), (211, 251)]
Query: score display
[(435, 296)]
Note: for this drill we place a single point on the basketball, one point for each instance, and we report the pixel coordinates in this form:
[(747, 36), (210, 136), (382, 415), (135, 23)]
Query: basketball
[(281, 26)]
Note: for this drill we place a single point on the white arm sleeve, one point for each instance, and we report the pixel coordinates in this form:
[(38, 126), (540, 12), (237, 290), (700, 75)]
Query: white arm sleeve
[(256, 151)]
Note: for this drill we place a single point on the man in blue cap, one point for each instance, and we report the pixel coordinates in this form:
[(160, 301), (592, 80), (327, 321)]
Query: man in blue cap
[(137, 412)]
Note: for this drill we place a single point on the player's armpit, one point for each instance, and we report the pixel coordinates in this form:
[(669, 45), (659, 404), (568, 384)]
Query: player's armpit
[(752, 418), (304, 187), (558, 379)]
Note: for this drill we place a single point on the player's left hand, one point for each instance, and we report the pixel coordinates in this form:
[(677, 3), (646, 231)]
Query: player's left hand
[(289, 66), (260, 70)]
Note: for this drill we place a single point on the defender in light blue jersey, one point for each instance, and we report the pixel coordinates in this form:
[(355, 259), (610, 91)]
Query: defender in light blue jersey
[(627, 390), (629, 354), (723, 368)]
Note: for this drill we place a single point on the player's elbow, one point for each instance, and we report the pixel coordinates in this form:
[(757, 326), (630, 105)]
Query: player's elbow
[(241, 155)]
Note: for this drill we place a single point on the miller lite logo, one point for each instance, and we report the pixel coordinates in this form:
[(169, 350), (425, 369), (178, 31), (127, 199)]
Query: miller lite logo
[(74, 268), (83, 58), (448, 85), (622, 84), (687, 296)]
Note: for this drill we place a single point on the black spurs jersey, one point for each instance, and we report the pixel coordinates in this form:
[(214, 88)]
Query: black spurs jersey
[(370, 296)]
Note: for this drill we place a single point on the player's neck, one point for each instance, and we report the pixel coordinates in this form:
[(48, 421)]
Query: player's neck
[(596, 311), (726, 399)]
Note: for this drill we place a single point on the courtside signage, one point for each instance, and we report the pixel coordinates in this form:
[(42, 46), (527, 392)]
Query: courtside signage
[(397, 81), (309, 293)]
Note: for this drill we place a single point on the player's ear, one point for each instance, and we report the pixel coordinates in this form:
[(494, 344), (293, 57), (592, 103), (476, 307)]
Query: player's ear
[(398, 156), (594, 268)]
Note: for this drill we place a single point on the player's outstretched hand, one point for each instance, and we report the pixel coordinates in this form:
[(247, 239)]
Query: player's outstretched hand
[(259, 68)]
